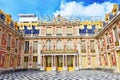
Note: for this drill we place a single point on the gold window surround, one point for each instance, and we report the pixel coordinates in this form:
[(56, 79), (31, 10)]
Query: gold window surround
[(83, 46)]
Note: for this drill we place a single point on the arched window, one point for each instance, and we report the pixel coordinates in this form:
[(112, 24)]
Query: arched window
[(59, 45), (69, 45), (48, 44)]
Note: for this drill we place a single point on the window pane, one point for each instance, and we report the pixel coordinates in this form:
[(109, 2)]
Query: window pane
[(49, 30)]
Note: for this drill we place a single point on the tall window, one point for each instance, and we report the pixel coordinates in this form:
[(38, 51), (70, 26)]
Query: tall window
[(26, 45), (16, 45), (83, 46), (115, 33), (69, 45), (69, 30), (101, 43), (34, 58), (48, 61), (9, 38), (1, 59), (48, 31), (59, 45), (48, 44), (35, 46), (107, 38), (59, 31), (26, 59), (92, 46)]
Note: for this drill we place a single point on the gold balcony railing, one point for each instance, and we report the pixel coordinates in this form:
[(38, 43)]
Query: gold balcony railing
[(60, 51)]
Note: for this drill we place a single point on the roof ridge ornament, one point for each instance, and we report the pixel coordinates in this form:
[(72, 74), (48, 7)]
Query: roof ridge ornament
[(107, 17), (115, 9)]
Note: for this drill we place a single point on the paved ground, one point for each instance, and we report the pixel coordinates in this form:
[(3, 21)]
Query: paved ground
[(64, 75)]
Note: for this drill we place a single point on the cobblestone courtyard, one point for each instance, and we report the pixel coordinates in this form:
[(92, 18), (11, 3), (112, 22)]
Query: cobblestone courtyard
[(64, 75)]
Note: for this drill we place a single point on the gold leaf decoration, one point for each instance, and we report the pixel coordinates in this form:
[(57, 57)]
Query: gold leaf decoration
[(115, 9)]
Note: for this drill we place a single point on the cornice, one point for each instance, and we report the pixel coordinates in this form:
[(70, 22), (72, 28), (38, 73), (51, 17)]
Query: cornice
[(111, 22), (8, 28)]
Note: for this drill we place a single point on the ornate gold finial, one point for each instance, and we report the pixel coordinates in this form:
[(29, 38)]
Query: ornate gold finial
[(16, 25), (81, 25), (29, 27), (21, 27), (89, 25), (115, 9), (107, 17)]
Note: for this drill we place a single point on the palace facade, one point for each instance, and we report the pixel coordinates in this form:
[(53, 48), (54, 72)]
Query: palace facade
[(60, 44)]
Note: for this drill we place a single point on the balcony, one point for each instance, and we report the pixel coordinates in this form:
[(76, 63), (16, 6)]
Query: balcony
[(87, 35), (60, 51), (69, 50), (30, 35), (48, 34)]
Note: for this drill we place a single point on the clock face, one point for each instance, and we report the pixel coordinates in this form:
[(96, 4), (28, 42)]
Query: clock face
[(58, 19)]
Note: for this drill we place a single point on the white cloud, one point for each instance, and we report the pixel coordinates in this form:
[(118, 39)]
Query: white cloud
[(78, 9)]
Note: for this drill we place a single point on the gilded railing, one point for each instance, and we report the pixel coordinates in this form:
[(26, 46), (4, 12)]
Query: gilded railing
[(60, 51)]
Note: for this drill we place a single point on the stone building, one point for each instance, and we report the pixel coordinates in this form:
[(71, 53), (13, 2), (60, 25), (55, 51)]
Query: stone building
[(60, 44)]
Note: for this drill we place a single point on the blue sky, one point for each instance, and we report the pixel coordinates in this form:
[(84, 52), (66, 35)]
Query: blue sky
[(54, 7)]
